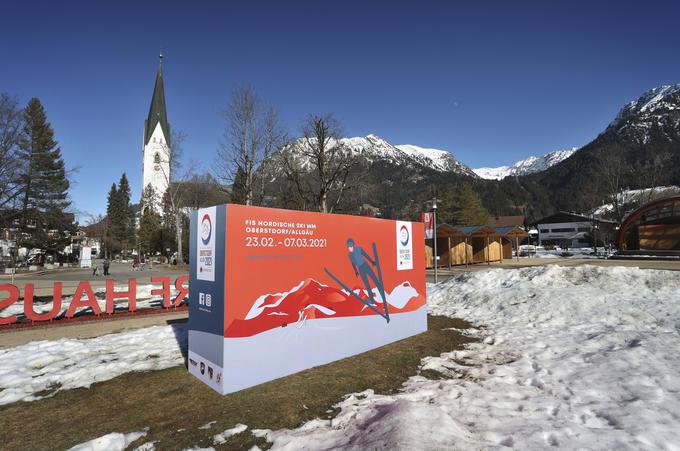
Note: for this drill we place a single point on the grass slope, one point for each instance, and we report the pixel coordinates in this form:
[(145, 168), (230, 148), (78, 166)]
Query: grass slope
[(171, 400)]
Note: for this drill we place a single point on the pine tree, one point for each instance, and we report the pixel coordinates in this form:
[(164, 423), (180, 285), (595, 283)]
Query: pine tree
[(469, 209), (150, 234), (124, 227), (447, 205), (238, 189), (111, 242), (44, 183)]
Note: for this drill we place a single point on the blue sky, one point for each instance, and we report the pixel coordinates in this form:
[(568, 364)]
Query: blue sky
[(491, 82)]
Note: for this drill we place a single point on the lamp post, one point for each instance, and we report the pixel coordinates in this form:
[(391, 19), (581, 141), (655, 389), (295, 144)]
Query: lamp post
[(434, 236)]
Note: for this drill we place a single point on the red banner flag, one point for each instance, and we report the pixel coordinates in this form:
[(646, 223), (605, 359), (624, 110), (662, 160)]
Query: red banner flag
[(428, 221)]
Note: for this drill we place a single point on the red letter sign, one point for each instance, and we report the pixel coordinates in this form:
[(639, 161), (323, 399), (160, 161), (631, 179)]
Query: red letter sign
[(28, 304), (11, 299), (83, 287), (131, 294), (164, 291)]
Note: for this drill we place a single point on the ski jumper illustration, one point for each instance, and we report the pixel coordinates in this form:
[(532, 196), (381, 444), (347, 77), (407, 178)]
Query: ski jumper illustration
[(360, 263)]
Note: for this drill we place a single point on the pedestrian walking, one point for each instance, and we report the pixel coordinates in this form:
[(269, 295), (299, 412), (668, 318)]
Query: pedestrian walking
[(94, 267), (106, 265)]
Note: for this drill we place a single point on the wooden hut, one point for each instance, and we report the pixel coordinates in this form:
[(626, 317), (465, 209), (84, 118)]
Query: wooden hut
[(511, 236)]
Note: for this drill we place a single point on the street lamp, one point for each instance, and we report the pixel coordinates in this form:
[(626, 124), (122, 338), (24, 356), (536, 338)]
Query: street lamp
[(434, 236)]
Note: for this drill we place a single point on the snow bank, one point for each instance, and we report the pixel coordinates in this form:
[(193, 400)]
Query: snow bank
[(114, 441), (575, 357), (51, 366)]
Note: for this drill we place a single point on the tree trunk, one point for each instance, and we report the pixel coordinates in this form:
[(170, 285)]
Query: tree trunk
[(178, 237)]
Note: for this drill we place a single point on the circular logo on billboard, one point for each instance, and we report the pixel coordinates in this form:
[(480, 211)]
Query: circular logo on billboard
[(403, 235), (206, 229)]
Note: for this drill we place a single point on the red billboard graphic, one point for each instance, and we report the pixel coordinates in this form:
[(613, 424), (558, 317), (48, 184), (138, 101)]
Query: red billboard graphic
[(291, 290), (302, 266)]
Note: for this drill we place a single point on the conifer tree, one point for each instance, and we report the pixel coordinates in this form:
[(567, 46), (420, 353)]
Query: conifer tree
[(468, 207), (149, 236), (112, 243), (124, 225), (238, 189), (44, 185)]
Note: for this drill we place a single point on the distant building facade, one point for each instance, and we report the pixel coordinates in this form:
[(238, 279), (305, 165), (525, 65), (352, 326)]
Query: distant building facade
[(156, 143), (572, 230)]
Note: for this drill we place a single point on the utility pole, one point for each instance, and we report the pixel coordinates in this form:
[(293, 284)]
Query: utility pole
[(434, 237)]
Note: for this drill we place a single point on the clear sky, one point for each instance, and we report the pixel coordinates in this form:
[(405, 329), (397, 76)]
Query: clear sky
[(492, 82)]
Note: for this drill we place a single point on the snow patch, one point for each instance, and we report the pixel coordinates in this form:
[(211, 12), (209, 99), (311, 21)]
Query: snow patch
[(114, 441)]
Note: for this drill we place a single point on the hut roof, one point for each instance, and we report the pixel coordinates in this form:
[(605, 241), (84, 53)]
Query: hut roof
[(511, 231)]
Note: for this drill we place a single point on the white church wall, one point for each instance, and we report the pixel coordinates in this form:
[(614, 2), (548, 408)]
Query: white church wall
[(156, 173)]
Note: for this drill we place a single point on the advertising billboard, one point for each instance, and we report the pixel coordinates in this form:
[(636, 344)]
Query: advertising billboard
[(288, 290)]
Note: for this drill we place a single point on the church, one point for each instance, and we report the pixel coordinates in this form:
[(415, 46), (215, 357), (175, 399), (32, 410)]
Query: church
[(156, 145)]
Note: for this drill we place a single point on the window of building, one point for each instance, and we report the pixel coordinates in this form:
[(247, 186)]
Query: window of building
[(584, 229), (563, 230), (544, 230), (157, 158)]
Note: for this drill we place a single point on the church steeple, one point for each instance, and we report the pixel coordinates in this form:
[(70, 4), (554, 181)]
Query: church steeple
[(157, 112)]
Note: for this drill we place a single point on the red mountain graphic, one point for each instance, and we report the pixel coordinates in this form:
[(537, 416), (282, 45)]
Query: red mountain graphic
[(311, 299)]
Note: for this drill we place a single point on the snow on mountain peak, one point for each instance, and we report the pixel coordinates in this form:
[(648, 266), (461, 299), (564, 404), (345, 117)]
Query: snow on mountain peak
[(373, 148), (528, 165), (656, 109), (440, 160)]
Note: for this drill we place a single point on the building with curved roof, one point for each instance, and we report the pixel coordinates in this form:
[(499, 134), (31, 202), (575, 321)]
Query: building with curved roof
[(654, 227)]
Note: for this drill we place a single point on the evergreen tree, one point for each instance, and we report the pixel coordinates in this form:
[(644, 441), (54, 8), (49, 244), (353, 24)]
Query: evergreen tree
[(124, 227), (238, 189), (44, 185), (468, 207), (120, 216), (446, 207), (150, 235), (111, 242)]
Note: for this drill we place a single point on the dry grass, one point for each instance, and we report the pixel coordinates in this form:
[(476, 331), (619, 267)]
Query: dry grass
[(169, 400)]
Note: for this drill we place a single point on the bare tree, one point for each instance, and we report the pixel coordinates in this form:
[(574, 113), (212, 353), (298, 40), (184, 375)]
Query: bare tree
[(11, 123), (252, 133), (175, 192), (613, 170), (318, 164)]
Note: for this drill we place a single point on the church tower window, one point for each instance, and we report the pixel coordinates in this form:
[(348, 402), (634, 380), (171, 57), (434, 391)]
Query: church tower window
[(157, 158)]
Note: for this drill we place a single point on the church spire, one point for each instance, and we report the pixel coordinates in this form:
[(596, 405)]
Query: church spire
[(157, 112)]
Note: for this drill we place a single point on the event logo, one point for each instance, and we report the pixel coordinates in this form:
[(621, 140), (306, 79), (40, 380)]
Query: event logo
[(206, 229), (403, 235), (205, 244), (202, 368), (404, 246), (210, 372), (193, 362)]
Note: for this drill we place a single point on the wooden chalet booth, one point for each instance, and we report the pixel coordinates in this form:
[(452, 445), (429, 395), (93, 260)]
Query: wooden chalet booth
[(458, 245), (511, 236), (485, 242)]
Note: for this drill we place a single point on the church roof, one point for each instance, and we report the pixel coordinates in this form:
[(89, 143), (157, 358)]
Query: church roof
[(157, 112)]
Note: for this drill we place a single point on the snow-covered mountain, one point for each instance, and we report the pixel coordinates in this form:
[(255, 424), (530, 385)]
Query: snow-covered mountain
[(441, 160), (526, 166), (654, 112), (372, 148)]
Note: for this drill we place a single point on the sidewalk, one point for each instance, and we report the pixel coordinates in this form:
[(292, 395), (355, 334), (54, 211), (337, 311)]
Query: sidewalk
[(88, 329)]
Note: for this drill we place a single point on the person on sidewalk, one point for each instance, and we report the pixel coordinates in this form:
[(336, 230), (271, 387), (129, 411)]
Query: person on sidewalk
[(106, 265), (94, 267)]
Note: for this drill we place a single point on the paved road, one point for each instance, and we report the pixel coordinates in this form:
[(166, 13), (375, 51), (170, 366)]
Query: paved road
[(70, 277)]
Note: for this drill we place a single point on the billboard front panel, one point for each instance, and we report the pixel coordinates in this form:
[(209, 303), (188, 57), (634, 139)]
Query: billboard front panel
[(302, 289)]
